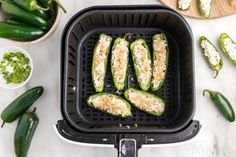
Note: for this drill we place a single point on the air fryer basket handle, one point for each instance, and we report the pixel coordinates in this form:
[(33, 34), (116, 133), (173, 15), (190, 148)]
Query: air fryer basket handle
[(126, 144), (127, 148)]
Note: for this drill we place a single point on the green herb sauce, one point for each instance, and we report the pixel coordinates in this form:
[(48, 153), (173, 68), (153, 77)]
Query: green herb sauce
[(15, 67)]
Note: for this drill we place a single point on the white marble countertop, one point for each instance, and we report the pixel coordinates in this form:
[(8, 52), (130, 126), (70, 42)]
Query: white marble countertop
[(217, 137)]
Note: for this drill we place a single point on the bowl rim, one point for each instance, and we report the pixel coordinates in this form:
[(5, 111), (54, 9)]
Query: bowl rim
[(16, 48)]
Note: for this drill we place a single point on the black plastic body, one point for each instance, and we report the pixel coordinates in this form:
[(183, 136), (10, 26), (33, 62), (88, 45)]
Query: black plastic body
[(78, 41)]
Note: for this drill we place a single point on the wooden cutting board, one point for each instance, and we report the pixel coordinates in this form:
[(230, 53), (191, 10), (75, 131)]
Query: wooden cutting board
[(220, 8)]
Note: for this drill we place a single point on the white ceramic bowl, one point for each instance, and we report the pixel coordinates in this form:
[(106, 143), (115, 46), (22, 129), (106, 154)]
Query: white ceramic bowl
[(44, 37), (6, 49)]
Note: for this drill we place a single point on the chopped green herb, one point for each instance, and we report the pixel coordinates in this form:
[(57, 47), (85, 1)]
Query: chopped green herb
[(15, 67)]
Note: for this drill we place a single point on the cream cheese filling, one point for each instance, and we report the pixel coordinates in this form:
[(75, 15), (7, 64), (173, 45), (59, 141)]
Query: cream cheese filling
[(184, 4), (145, 103), (100, 56), (210, 52), (111, 104), (143, 63), (230, 46), (120, 61), (159, 63)]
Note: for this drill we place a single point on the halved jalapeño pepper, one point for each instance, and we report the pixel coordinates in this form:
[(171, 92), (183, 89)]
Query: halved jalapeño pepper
[(142, 63), (222, 104), (211, 55), (184, 4), (110, 104), (99, 65), (205, 7), (228, 46), (119, 62), (145, 101), (160, 60)]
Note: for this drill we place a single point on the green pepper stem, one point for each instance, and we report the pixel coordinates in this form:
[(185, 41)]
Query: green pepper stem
[(216, 74), (41, 8), (2, 124), (206, 90), (127, 34), (34, 110), (60, 5)]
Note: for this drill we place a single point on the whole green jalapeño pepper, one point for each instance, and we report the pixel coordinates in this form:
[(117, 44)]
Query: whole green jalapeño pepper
[(43, 14), (29, 5), (48, 3), (222, 104), (12, 9), (228, 46), (24, 133), (19, 23), (211, 54), (15, 22), (19, 32)]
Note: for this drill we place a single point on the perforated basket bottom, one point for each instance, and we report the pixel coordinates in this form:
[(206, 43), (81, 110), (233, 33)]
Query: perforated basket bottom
[(169, 92)]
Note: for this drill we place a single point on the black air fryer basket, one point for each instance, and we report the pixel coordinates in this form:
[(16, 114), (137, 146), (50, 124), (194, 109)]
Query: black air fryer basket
[(83, 124)]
